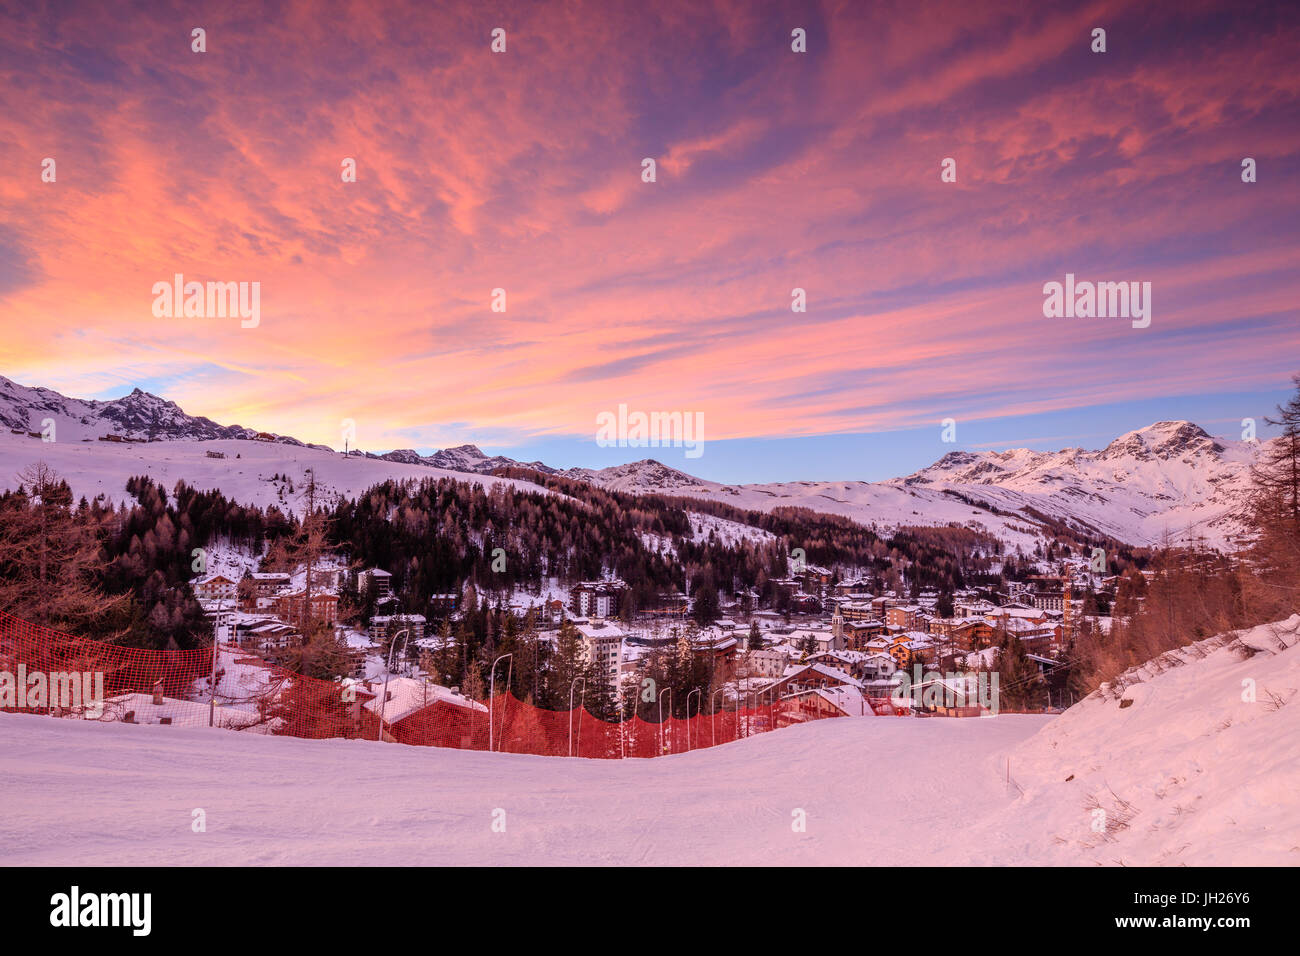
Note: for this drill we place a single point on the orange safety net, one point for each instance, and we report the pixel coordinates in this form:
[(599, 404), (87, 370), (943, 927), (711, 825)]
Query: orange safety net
[(49, 672)]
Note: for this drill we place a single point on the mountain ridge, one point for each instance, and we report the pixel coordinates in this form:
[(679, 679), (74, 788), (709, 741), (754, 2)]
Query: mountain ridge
[(1170, 479)]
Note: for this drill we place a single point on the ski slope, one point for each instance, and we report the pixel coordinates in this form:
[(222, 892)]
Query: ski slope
[(115, 794), (1189, 772)]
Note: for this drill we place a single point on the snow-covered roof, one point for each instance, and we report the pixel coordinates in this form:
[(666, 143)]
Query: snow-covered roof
[(825, 671), (849, 700), (410, 695), (185, 713)]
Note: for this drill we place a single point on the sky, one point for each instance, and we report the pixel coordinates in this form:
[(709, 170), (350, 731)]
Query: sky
[(775, 170)]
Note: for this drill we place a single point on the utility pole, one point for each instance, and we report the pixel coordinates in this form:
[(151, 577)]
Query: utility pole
[(383, 703), (212, 679), (308, 523)]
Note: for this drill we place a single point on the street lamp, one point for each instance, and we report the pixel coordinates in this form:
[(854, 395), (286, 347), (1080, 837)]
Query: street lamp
[(669, 692), (492, 691), (383, 703), (697, 690), (584, 694), (212, 681), (713, 712), (622, 714)]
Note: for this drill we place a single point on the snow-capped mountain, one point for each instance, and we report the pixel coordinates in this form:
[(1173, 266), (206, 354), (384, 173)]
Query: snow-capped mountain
[(139, 416), (461, 458), (645, 477), (1170, 479)]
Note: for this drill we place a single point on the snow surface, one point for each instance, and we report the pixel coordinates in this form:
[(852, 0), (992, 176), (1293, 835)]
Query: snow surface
[(1170, 478), (95, 467), (1188, 773), (79, 793)]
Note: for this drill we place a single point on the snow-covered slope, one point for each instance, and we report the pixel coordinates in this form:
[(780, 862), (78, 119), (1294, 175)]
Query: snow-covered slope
[(139, 415), (1194, 758), (876, 791), (95, 467), (1187, 772), (880, 504), (462, 458), (1170, 478)]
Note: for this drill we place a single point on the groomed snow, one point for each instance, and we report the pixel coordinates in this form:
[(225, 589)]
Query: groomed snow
[(79, 793), (1189, 772)]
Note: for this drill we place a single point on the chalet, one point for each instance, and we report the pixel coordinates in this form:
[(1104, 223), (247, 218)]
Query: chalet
[(809, 676), (920, 646), (851, 662), (671, 604), (857, 589), (327, 577), (784, 587), (266, 636), (877, 667), (216, 587), (820, 639), (948, 695), (717, 653), (821, 702), (972, 608), (420, 712)]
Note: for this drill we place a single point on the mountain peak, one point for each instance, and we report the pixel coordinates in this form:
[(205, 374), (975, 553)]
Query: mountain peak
[(472, 451), (1164, 440)]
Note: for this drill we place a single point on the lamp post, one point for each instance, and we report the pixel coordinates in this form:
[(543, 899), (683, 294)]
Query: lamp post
[(713, 713), (669, 692), (572, 684), (212, 681), (697, 690), (622, 709), (492, 691), (771, 706), (383, 701)]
